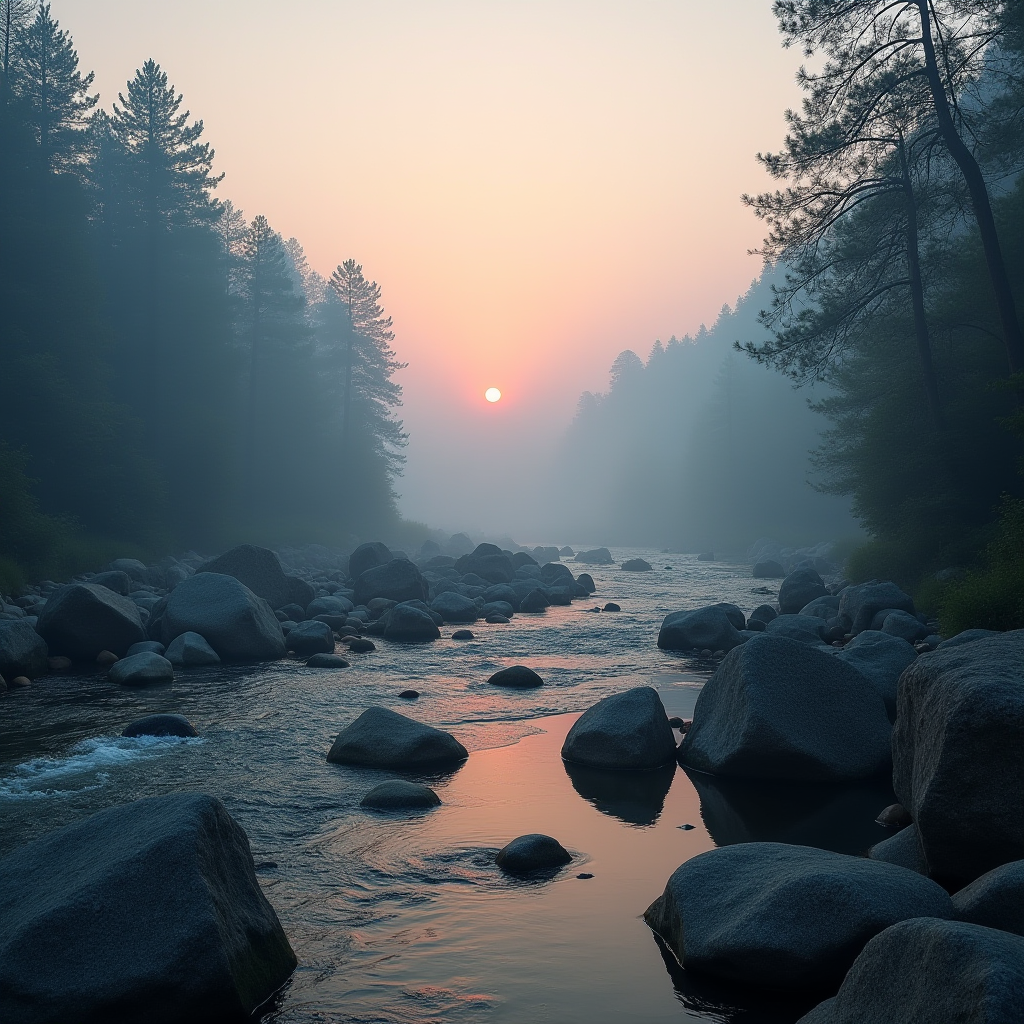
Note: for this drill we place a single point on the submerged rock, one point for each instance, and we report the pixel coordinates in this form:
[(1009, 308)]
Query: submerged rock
[(82, 619), (595, 556), (190, 650), (381, 738), (145, 911), (636, 565), (712, 628), (326, 661), (398, 794), (141, 670), (530, 853), (626, 730), (161, 725), (517, 677)]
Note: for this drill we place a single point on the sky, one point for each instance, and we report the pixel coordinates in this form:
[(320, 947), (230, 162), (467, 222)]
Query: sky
[(535, 185)]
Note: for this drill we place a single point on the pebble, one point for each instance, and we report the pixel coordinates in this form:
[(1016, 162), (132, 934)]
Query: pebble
[(584, 874)]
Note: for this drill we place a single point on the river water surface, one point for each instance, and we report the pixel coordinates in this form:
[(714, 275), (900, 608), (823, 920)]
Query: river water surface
[(403, 917)]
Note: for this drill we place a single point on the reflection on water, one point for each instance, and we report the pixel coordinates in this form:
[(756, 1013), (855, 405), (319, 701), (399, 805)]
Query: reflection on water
[(636, 798)]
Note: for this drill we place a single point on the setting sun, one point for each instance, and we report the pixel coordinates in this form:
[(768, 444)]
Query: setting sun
[(492, 394)]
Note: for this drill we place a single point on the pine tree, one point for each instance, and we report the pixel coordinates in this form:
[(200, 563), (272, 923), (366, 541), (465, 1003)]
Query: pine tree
[(15, 16)]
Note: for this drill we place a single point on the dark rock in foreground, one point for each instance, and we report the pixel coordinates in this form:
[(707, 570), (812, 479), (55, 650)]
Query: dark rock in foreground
[(148, 911), (784, 917), (709, 628), (398, 794), (381, 738), (530, 853), (518, 677), (996, 900), (22, 650), (625, 731), (161, 725), (82, 619), (928, 971)]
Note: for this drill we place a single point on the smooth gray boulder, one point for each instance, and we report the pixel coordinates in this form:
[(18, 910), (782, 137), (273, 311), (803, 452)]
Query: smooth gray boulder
[(190, 650), (881, 659), (826, 607), (115, 580), (455, 608), (586, 581), (141, 670), (398, 580), (408, 624), (147, 645), (709, 628), (928, 971), (381, 738), (236, 623), (768, 569), (764, 612), (995, 900), (808, 629), (148, 911), (595, 556), (81, 619), (398, 794), (326, 661), (858, 605), (309, 638), (261, 571), (905, 626), (368, 556), (784, 917), (902, 849), (22, 650), (161, 725), (624, 731), (780, 709), (536, 600), (516, 677), (799, 588), (958, 755), (332, 605), (528, 854)]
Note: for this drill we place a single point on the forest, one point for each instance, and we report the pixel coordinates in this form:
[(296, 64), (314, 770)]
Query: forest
[(174, 374)]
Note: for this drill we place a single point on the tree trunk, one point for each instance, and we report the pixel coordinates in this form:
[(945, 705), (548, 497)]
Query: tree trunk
[(975, 181), (257, 326)]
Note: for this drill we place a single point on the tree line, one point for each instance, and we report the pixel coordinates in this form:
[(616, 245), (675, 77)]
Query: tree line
[(174, 374)]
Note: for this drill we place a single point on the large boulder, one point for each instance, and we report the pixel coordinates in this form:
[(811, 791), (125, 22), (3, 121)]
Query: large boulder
[(82, 619), (626, 730), (398, 580), (453, 607), (704, 629), (858, 605), (780, 709), (488, 562), (826, 607), (260, 570), (881, 659), (996, 900), (22, 650), (408, 624), (149, 911), (785, 917), (958, 755), (381, 738), (927, 971), (595, 556), (236, 623), (800, 588), (368, 556)]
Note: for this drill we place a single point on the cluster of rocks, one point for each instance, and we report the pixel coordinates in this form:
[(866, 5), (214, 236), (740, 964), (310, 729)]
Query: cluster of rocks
[(880, 934), (772, 561)]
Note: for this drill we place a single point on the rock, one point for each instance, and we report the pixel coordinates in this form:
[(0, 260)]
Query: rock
[(409, 694), (454, 607), (131, 567), (115, 580), (826, 607), (881, 659), (429, 549), (408, 624), (360, 645), (495, 619), (190, 650), (146, 645), (462, 634), (902, 849), (926, 971), (894, 816), (764, 612), (755, 626), (566, 552), (626, 730), (586, 581), (161, 725), (62, 664), (535, 601), (968, 636), (636, 565), (858, 605), (768, 569), (489, 562), (958, 755), (611, 606), (709, 628), (82, 619), (546, 554), (808, 629), (105, 659), (309, 638), (706, 556), (905, 626), (368, 556), (141, 670), (336, 623), (260, 570), (458, 544), (784, 917), (22, 650), (19, 683), (397, 794), (399, 580), (780, 709), (518, 677), (995, 900), (595, 556), (799, 588), (323, 606), (326, 661), (145, 911), (380, 738), (236, 623), (535, 852)]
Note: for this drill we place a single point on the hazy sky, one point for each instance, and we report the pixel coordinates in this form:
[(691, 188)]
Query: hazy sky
[(535, 185)]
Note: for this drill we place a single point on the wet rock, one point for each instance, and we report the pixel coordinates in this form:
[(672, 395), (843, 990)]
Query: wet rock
[(454, 607), (190, 650), (22, 650), (161, 725), (924, 971), (397, 794), (323, 606), (326, 661), (19, 683), (768, 569), (141, 670), (595, 556), (535, 601), (958, 755), (381, 738), (586, 581), (144, 911), (859, 604), (309, 638), (368, 556), (711, 628), (462, 634), (399, 580), (234, 621), (82, 619), (636, 565), (260, 570), (785, 917), (624, 731), (360, 645), (995, 900), (532, 853), (495, 619), (799, 588), (118, 582), (777, 708), (517, 677), (407, 624), (409, 694), (105, 659), (147, 645), (881, 659)]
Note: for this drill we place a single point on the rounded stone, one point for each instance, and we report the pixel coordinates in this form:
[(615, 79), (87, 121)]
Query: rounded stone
[(611, 606), (106, 658), (463, 634), (530, 853), (161, 725), (398, 794), (518, 677), (409, 694), (326, 661), (360, 645)]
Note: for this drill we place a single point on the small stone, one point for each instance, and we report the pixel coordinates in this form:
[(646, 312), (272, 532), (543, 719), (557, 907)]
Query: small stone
[(611, 606), (463, 634), (59, 664), (398, 794), (360, 645), (895, 816), (687, 827), (584, 874), (706, 654), (326, 661), (517, 677), (106, 658), (18, 682), (409, 694), (531, 853)]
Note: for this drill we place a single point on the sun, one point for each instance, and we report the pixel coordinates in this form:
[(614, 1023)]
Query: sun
[(492, 394)]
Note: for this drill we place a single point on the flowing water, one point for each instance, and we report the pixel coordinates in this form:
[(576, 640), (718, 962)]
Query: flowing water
[(403, 917)]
